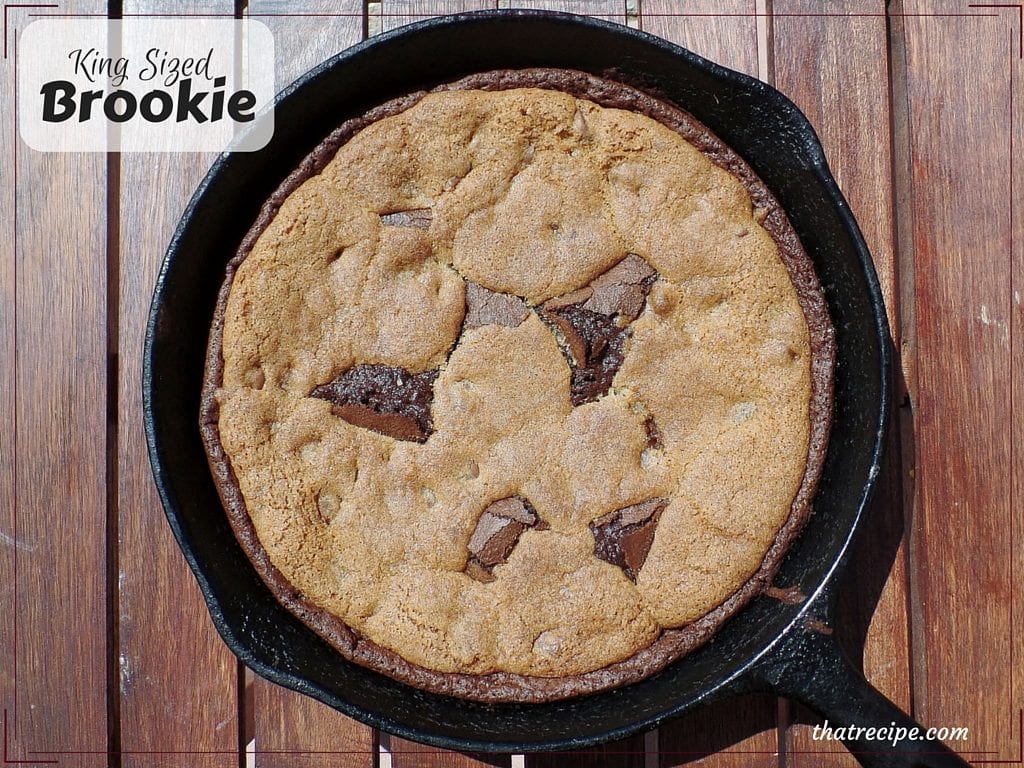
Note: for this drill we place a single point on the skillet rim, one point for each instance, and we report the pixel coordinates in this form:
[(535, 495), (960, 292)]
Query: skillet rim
[(239, 643)]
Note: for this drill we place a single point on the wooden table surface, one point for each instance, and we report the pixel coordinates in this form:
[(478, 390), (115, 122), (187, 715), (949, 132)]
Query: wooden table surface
[(107, 652)]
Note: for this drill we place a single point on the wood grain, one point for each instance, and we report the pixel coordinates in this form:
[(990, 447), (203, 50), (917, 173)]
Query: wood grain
[(626, 753), (409, 754), (835, 68), (724, 31), (291, 730), (8, 366), (296, 731), (320, 29), (1016, 341), (958, 93), (178, 679), (55, 385), (952, 287), (397, 13)]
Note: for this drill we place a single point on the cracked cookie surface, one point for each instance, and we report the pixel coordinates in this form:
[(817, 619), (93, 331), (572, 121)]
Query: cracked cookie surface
[(494, 244)]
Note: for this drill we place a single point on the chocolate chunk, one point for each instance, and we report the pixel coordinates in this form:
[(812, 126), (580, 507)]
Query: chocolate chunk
[(624, 537), (493, 539), (384, 398), (417, 218), (594, 323), (514, 508), (484, 307), (623, 289), (596, 345), (578, 296), (497, 532)]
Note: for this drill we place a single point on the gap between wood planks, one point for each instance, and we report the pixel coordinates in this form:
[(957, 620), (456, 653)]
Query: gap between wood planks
[(112, 479), (906, 385)]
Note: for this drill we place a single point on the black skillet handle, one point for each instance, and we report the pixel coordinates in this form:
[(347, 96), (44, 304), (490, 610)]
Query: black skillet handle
[(810, 667)]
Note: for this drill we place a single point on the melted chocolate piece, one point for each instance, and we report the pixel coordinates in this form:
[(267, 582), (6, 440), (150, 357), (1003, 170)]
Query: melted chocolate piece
[(417, 218), (497, 532), (624, 537), (384, 398), (485, 307), (594, 322), (596, 343)]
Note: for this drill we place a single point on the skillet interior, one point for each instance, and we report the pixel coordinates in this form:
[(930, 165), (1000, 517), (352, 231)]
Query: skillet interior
[(756, 121)]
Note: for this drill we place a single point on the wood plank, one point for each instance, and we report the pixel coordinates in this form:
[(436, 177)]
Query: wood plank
[(55, 412), (396, 13), (320, 29), (1017, 380), (409, 754), (1016, 342), (725, 31), (835, 68), (291, 730), (609, 10), (739, 732), (296, 731), (8, 271), (626, 753), (178, 679), (8, 366), (816, 58), (962, 562)]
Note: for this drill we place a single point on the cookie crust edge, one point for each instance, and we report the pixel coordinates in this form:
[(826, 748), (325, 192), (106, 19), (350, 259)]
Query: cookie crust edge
[(672, 644)]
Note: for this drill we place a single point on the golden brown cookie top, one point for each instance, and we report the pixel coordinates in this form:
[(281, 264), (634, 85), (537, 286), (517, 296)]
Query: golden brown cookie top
[(515, 384)]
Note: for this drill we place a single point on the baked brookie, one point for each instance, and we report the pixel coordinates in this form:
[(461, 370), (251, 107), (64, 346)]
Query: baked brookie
[(518, 389)]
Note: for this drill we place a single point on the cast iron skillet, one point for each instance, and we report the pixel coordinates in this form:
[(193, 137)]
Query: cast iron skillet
[(767, 645)]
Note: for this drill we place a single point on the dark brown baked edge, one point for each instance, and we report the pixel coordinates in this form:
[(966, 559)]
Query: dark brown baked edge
[(672, 644)]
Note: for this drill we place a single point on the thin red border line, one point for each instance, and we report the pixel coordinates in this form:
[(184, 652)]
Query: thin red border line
[(14, 404), (8, 760), (1013, 124), (1020, 15), (1020, 745), (352, 14), (844, 751), (1013, 581), (595, 15), (20, 5), (654, 15), (1010, 491)]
